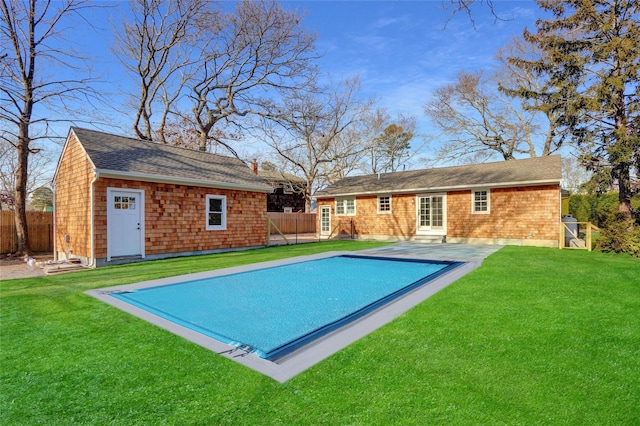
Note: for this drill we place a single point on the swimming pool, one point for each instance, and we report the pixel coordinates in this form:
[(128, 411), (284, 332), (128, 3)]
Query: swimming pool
[(283, 310), (276, 310)]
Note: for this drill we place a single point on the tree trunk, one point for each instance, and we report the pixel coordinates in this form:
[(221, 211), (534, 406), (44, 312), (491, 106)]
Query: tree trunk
[(20, 212), (624, 191), (623, 150), (307, 198)]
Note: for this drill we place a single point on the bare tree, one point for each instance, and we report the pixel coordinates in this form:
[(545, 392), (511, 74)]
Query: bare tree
[(29, 29), (255, 53), (465, 7), (574, 174), (374, 124), (309, 127), (180, 131), (37, 175), (158, 48), (349, 151), (478, 121), (378, 140), (7, 175)]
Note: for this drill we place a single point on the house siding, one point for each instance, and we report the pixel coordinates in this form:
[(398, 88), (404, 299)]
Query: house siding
[(175, 218), (521, 213), (73, 201), (399, 223), (175, 215), (278, 200), (518, 215)]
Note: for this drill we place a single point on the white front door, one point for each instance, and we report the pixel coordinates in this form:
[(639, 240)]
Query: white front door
[(432, 214), (325, 220), (125, 227)]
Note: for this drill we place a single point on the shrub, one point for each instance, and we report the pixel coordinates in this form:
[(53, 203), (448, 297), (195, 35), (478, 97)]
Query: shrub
[(596, 208), (620, 234)]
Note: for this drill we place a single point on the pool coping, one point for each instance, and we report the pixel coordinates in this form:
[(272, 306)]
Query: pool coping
[(304, 358)]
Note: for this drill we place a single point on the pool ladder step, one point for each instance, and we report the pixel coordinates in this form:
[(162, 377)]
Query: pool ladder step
[(243, 349)]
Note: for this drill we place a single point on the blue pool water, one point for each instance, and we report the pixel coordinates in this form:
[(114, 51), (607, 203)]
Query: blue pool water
[(279, 309)]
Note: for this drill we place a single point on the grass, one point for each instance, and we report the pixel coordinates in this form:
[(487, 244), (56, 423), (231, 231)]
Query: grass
[(534, 336)]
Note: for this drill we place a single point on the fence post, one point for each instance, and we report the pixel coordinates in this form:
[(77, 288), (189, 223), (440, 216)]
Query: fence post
[(561, 239)]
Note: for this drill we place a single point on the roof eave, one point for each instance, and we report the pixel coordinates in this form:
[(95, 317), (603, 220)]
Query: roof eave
[(117, 174), (443, 188)]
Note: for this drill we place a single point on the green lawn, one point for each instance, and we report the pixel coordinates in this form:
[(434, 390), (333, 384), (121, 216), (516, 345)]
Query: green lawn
[(534, 336)]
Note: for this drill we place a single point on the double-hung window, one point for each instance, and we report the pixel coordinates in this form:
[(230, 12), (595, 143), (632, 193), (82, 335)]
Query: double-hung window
[(384, 204), (481, 201), (216, 212), (346, 206)]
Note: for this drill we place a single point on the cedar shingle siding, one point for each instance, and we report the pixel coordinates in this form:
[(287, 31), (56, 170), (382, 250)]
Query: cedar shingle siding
[(524, 203), (175, 184), (72, 201)]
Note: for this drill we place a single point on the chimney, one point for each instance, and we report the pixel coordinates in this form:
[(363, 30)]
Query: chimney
[(254, 166)]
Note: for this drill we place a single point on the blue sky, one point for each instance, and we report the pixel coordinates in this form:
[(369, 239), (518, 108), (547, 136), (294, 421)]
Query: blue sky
[(402, 50)]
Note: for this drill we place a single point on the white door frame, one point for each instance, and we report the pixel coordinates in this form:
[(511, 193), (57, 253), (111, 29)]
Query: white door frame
[(111, 221), (431, 230), (325, 210)]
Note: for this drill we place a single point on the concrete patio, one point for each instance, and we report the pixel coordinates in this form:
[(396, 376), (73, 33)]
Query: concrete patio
[(444, 251)]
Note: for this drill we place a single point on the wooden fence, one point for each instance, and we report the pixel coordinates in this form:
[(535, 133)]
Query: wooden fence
[(40, 228), (292, 223)]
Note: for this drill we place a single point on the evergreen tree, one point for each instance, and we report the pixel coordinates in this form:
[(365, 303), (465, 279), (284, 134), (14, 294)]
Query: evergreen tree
[(591, 61), (42, 198), (393, 145)]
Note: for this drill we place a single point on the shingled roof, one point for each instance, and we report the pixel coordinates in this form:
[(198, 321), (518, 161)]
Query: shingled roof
[(129, 158), (531, 171), (279, 176)]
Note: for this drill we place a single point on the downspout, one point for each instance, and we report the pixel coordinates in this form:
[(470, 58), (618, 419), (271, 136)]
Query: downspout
[(55, 239), (92, 220)]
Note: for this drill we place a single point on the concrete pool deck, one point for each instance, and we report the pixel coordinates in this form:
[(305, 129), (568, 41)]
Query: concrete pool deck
[(302, 359), (436, 251)]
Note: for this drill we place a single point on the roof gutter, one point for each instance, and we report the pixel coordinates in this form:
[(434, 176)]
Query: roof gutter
[(105, 173), (440, 188)]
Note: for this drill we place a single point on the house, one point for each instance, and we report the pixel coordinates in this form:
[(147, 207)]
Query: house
[(509, 202), (119, 199), (288, 190)]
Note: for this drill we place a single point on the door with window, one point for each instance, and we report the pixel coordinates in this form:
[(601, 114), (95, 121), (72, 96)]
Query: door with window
[(125, 227), (431, 214), (325, 220)]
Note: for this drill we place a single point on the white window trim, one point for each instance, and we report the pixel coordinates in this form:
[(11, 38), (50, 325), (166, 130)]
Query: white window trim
[(343, 200), (473, 201), (223, 225), (390, 204), (432, 230)]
